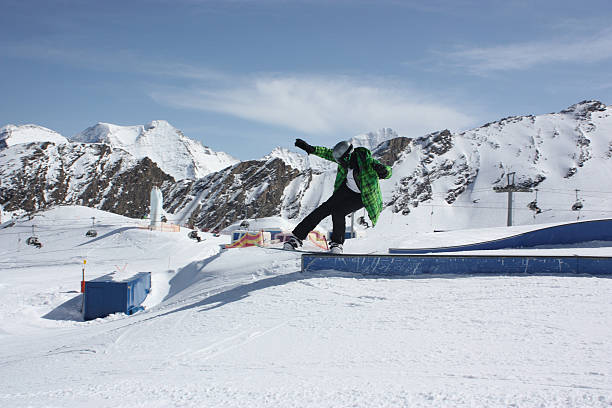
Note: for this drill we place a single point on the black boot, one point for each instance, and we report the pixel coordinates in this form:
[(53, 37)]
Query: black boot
[(335, 248), (293, 244)]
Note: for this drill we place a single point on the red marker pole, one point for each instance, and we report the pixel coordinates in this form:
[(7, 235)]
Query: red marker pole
[(83, 280)]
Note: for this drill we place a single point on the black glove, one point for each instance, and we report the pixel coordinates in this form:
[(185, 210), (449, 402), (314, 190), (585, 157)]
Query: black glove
[(304, 146), (380, 169)]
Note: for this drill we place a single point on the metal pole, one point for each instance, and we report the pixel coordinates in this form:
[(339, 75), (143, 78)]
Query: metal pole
[(509, 208), (511, 188), (353, 225)]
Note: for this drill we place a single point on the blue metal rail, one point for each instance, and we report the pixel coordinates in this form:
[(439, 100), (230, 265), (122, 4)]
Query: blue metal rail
[(409, 265)]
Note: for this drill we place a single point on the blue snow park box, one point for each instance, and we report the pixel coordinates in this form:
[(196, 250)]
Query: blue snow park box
[(274, 233), (105, 296), (348, 234)]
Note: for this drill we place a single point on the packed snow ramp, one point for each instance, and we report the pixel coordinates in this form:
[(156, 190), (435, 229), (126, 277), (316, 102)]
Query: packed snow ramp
[(564, 234)]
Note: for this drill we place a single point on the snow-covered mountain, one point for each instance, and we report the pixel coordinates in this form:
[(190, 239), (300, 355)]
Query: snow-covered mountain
[(11, 135), (445, 173), (174, 153), (443, 180), (36, 176)]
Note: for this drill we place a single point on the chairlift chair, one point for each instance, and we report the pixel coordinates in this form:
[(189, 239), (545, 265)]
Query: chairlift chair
[(92, 233), (533, 206), (577, 206), (194, 235), (33, 241), (363, 222)]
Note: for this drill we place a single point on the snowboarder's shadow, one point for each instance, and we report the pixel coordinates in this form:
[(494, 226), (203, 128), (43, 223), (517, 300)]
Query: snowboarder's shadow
[(241, 292), (108, 234)]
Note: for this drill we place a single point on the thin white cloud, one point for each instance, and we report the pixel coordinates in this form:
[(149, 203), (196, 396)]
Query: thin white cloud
[(323, 105), (316, 105), (109, 60), (512, 57)]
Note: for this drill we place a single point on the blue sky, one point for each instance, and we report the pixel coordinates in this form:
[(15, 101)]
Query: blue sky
[(245, 76)]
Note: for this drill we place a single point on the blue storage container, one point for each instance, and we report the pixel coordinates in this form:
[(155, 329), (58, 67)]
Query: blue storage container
[(104, 296)]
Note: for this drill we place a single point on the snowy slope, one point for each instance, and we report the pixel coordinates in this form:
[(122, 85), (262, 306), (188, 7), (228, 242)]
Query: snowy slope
[(300, 161), (243, 327), (173, 152), (11, 135)]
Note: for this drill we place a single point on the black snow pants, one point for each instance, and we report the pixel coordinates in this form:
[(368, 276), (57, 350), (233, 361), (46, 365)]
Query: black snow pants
[(339, 205)]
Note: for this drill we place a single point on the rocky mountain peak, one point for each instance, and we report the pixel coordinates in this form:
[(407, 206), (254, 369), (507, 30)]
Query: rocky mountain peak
[(295, 160), (157, 124), (582, 110)]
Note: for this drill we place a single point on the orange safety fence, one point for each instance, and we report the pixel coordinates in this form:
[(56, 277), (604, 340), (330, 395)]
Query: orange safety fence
[(318, 239), (247, 240), (162, 227)]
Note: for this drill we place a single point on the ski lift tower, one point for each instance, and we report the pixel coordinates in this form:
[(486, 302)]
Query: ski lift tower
[(511, 188)]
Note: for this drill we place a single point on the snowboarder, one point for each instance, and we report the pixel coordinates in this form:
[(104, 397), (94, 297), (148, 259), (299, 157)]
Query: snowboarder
[(356, 187)]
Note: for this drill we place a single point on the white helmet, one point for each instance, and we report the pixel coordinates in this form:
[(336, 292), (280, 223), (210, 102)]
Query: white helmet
[(341, 149)]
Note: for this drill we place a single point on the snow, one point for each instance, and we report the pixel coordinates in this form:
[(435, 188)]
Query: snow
[(173, 152), (260, 224), (11, 135), (243, 327), (372, 139), (295, 160)]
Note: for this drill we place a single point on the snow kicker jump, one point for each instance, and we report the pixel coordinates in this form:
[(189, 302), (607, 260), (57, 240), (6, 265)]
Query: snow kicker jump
[(565, 234)]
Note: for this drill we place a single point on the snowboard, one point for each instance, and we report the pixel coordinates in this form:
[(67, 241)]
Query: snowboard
[(302, 251), (314, 251)]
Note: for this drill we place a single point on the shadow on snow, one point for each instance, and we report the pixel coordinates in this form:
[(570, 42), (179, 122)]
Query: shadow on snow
[(239, 292)]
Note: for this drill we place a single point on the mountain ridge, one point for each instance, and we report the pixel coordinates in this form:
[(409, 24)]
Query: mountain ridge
[(442, 173), (176, 154)]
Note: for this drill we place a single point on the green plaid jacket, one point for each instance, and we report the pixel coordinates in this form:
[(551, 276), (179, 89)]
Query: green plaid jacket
[(365, 176)]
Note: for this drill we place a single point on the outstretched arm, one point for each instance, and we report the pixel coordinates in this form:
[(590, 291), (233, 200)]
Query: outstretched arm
[(325, 153), (320, 151), (304, 146)]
